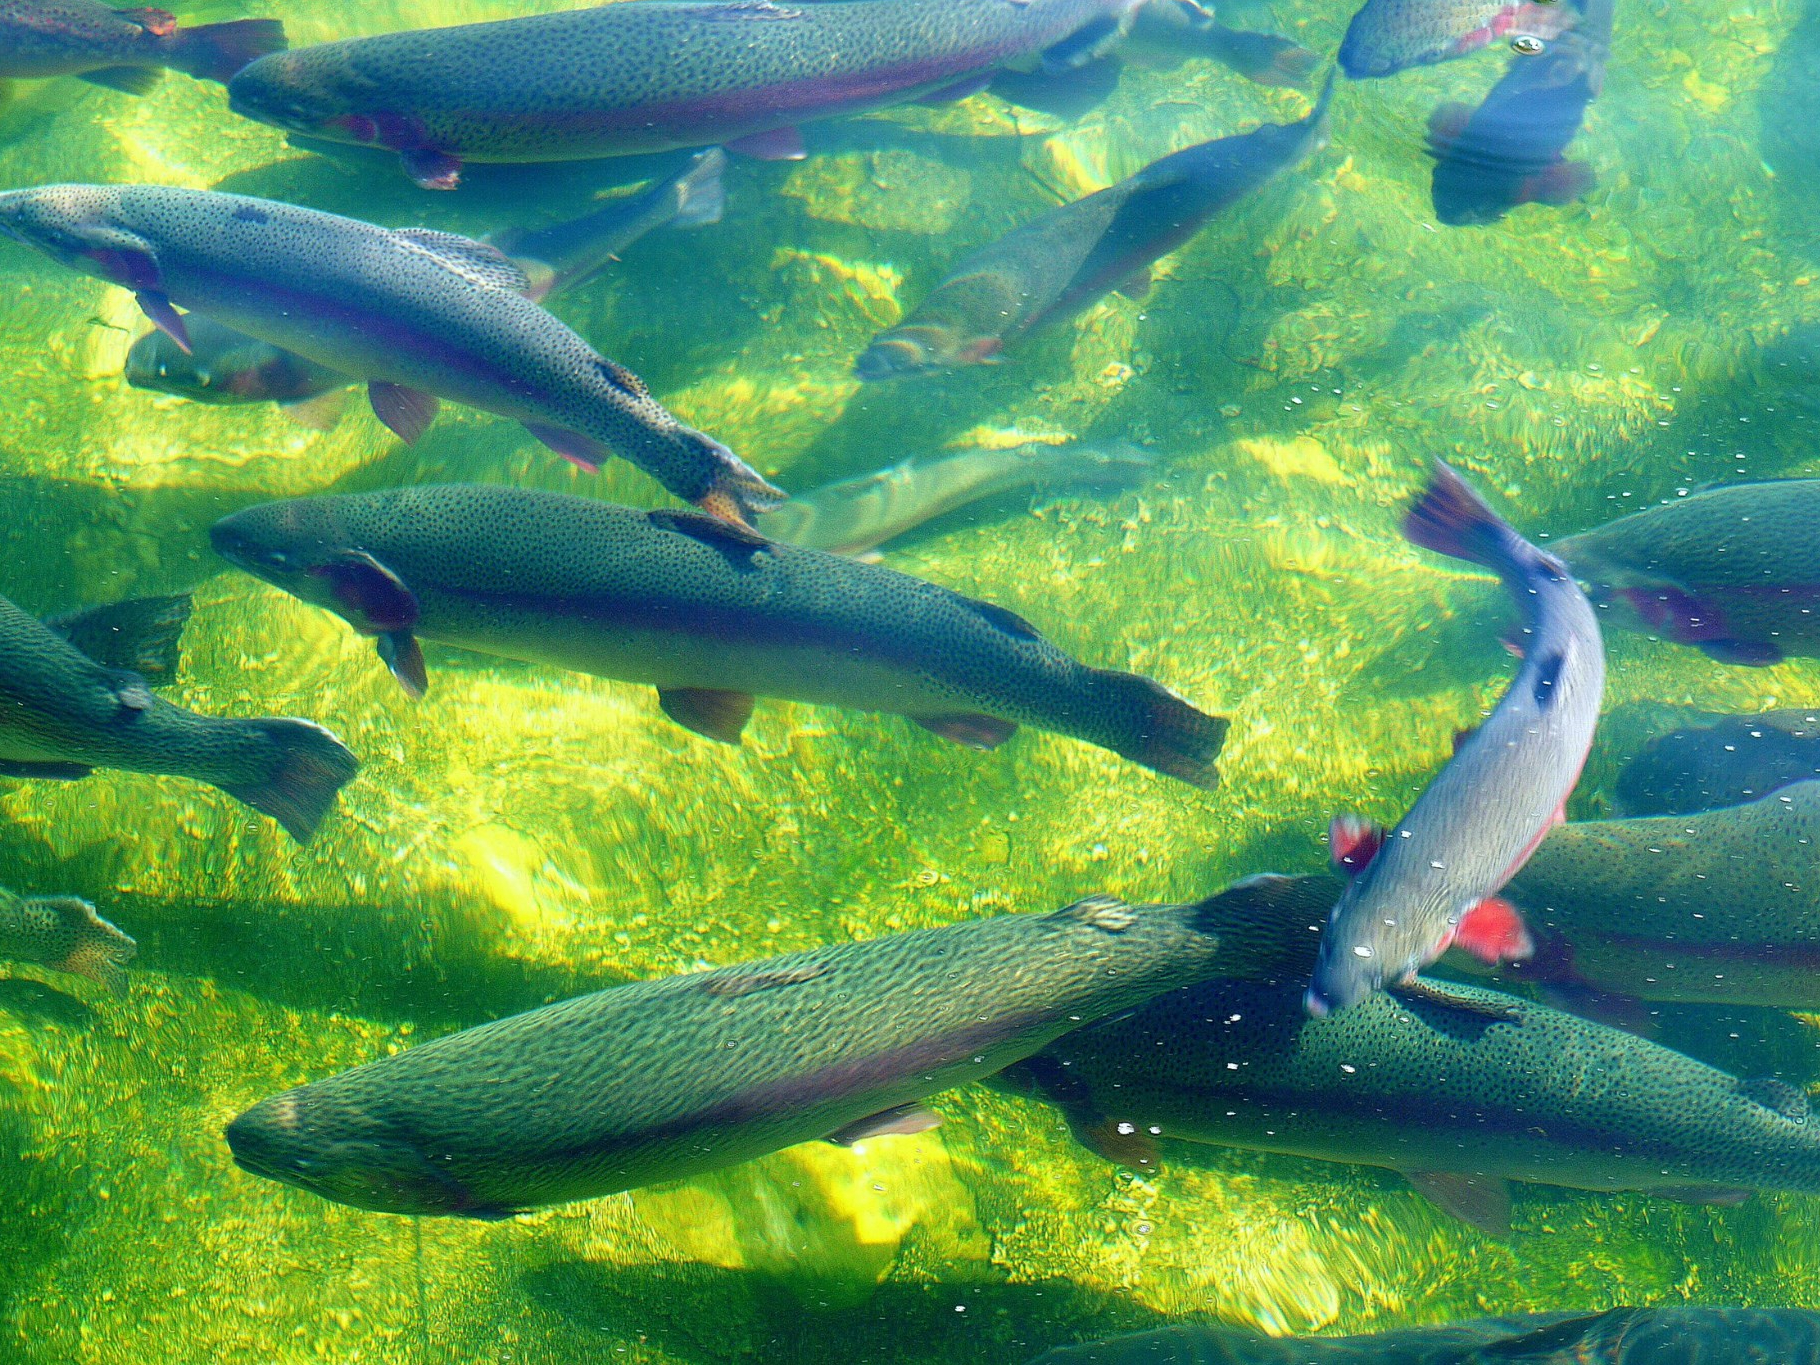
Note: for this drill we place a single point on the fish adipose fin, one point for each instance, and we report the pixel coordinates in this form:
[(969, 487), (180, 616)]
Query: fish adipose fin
[(777, 144), (709, 713), (1560, 1341), (898, 1121), (101, 951), (1172, 737), (143, 636), (477, 262), (730, 985), (740, 541), (44, 772), (408, 412), (1482, 1201), (218, 52), (160, 23), (129, 80), (307, 768), (971, 731)]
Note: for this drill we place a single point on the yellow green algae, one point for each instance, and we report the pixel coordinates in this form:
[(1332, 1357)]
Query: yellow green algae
[(522, 835)]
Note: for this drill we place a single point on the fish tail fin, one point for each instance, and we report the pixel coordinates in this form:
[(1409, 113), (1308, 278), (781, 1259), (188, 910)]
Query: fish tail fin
[(1165, 733), (217, 52), (1451, 519), (701, 196), (101, 951), (737, 491), (307, 769), (143, 636)]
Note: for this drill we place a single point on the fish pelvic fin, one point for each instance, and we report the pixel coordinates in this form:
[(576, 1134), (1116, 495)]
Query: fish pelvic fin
[(708, 712), (430, 169), (1162, 731), (403, 658), (142, 636), (128, 80), (900, 1120), (1482, 1201), (217, 52), (305, 769), (101, 952), (407, 412), (973, 731)]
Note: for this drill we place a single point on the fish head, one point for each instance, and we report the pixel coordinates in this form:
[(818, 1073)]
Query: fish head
[(79, 226), (300, 91), (918, 350), (158, 363), (304, 546), (222, 366), (302, 1138)]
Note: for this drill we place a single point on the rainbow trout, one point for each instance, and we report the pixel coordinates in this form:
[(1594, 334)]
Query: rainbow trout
[(1508, 151), (126, 49), (228, 367), (1460, 1089), (1618, 1336), (709, 613), (668, 1079), (1186, 28), (653, 75), (1734, 571), (1722, 761), (855, 516), (418, 315), (65, 935), (1050, 269), (1388, 36), (1720, 907), (63, 714), (1506, 785)]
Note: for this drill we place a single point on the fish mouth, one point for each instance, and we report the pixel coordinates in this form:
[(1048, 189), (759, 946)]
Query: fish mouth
[(889, 359), (240, 550)]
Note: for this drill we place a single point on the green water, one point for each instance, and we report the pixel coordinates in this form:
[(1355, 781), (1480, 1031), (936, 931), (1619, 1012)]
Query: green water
[(523, 835)]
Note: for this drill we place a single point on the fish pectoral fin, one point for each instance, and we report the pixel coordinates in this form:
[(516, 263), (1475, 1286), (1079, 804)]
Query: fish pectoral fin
[(1776, 1095), (710, 713), (1493, 931), (129, 80), (374, 598), (1136, 285), (900, 1120), (431, 170), (404, 656), (1721, 1196), (718, 532), (45, 772), (1482, 1201), (974, 731), (320, 413), (408, 412), (1744, 653), (159, 312), (1352, 842), (778, 144), (582, 451), (477, 262), (1115, 1140), (1560, 184)]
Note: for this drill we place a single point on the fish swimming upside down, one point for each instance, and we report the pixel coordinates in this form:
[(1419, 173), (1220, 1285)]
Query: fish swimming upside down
[(709, 613), (125, 49), (418, 315), (667, 1079)]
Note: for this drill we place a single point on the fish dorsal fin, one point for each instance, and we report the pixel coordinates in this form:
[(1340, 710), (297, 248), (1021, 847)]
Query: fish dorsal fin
[(1447, 1011), (898, 1121), (730, 985), (1102, 912), (473, 261), (1353, 841), (1483, 1201), (1779, 1096), (1008, 621)]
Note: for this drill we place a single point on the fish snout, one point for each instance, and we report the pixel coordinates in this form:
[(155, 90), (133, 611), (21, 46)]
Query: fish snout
[(240, 540), (275, 90), (889, 358), (263, 1140)]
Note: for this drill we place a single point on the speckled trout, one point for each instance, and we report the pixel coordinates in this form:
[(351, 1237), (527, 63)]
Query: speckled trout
[(1459, 1088), (66, 935), (709, 613), (1734, 571), (1388, 36), (1721, 907), (228, 367), (125, 49), (1713, 760), (418, 315), (1619, 1336), (1507, 783), (855, 516), (663, 1080), (62, 715), (1053, 267), (651, 75)]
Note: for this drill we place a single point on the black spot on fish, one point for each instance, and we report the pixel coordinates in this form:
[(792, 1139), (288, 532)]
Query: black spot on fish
[(1008, 621), (246, 213), (1548, 679)]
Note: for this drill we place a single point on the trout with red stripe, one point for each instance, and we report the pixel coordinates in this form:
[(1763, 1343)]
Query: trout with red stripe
[(1388, 36), (126, 49), (1482, 817)]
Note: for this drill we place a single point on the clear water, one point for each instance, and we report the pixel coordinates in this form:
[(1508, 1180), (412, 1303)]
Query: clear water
[(524, 835)]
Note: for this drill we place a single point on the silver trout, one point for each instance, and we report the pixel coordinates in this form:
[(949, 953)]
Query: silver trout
[(227, 367), (1507, 783), (1734, 571), (1388, 36), (709, 613), (1676, 1335), (855, 516), (418, 315), (1055, 266), (1712, 761), (62, 715), (1186, 28), (1720, 907), (66, 935), (668, 1079), (125, 49), (652, 75), (1459, 1088)]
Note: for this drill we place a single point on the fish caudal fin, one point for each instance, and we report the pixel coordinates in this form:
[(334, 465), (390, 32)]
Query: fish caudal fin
[(217, 52), (100, 951), (1169, 735), (1483, 1201), (142, 636), (1452, 520), (307, 769)]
